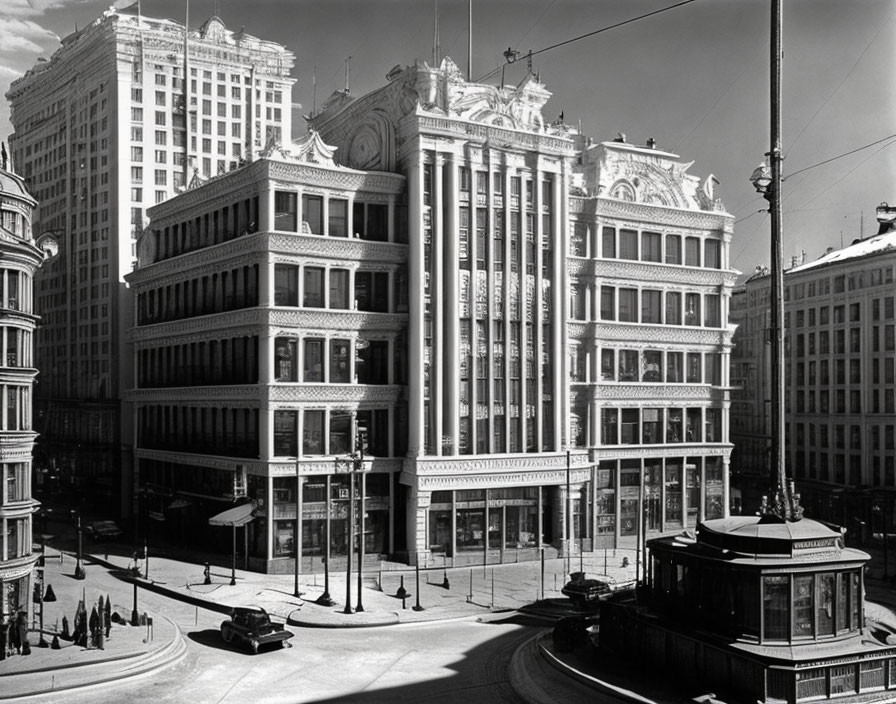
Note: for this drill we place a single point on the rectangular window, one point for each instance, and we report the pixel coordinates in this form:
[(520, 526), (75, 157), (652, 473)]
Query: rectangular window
[(628, 305), (673, 308), (608, 242), (312, 214), (674, 367), (286, 292), (340, 362), (651, 245), (673, 249), (712, 314), (313, 361), (607, 303), (285, 440), (651, 306), (712, 254), (692, 251), (337, 217), (285, 211), (692, 309), (313, 292), (628, 244), (285, 359), (339, 288)]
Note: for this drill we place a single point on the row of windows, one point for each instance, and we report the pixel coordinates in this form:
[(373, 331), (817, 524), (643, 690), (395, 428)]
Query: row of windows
[(330, 216), (320, 287), (220, 225), (658, 426), (213, 293), (215, 431), (331, 433), (632, 305), (853, 281), (210, 363), (652, 366), (333, 361), (647, 246)]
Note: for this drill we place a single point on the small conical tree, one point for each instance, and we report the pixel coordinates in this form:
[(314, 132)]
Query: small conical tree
[(66, 634)]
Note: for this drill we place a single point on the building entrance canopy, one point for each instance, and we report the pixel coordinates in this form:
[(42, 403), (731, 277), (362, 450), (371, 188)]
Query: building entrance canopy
[(236, 516)]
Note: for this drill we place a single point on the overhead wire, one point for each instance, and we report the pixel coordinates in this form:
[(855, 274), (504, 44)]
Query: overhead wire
[(530, 54)]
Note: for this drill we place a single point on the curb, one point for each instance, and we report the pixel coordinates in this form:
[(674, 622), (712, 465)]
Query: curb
[(590, 680), (82, 676)]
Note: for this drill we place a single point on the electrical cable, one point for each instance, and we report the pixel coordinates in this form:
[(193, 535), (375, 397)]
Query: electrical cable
[(839, 156), (843, 80), (530, 54)]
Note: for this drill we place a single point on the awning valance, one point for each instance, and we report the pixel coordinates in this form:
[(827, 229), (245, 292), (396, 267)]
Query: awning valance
[(236, 516)]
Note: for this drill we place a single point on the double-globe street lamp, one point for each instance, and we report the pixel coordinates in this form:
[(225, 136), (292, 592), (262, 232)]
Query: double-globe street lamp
[(352, 465)]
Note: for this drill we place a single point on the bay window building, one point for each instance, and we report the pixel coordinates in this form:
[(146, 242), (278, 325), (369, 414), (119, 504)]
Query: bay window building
[(21, 254)]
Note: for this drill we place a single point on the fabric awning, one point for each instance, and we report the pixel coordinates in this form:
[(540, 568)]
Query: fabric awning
[(236, 516)]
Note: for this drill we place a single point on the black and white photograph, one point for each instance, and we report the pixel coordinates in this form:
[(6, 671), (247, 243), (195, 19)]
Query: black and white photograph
[(432, 351)]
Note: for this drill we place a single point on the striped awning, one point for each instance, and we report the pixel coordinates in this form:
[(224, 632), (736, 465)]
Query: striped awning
[(236, 516)]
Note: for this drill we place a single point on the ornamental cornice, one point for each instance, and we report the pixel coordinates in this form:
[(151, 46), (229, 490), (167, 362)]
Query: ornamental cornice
[(461, 464), (661, 215), (664, 335), (374, 325), (338, 177), (185, 265), (12, 570), (203, 326), (667, 276), (493, 480), (229, 332), (23, 451), (225, 464), (17, 375), (283, 396), (664, 452), (485, 134), (322, 466), (248, 396), (651, 395), (353, 252)]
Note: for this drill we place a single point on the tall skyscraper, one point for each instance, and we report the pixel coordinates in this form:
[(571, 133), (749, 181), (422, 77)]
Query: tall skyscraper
[(120, 118)]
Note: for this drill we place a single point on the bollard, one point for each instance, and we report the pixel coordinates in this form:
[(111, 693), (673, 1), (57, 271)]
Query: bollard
[(402, 592), (445, 584)]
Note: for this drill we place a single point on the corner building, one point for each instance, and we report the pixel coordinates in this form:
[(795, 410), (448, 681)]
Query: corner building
[(120, 118), (567, 342), (21, 254)]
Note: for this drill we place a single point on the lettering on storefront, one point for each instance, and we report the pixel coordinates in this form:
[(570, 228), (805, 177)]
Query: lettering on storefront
[(815, 544)]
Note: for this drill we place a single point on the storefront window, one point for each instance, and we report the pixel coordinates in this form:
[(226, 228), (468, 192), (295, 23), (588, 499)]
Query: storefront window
[(776, 606), (803, 607), (824, 601), (341, 434), (714, 488), (673, 494), (692, 477), (470, 517)]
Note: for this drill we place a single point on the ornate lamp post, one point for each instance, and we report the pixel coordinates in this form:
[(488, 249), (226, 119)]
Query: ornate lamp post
[(79, 569), (352, 465), (766, 179)]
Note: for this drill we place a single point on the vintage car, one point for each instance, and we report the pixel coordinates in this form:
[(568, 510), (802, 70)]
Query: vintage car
[(253, 626), (586, 592), (103, 530)]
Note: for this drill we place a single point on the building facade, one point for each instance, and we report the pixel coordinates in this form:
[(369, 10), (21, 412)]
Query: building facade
[(105, 128), (840, 385), (555, 397), (271, 323), (546, 368), (21, 254)]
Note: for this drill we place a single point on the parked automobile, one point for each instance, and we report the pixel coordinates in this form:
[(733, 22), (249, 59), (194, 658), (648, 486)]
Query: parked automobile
[(253, 626), (586, 592), (103, 530)]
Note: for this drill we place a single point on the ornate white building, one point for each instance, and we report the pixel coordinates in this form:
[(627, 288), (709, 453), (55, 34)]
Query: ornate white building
[(271, 322), (20, 256), (119, 119), (548, 367)]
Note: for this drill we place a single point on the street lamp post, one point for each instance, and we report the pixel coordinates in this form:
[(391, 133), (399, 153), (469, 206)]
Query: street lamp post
[(567, 524), (79, 569), (296, 534), (325, 599), (349, 544), (354, 465), (360, 441), (766, 179)]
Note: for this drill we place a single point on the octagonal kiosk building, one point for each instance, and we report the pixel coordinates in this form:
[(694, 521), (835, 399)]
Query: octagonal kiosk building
[(759, 609)]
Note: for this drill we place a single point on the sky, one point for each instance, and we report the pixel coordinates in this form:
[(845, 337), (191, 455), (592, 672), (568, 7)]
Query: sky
[(694, 77)]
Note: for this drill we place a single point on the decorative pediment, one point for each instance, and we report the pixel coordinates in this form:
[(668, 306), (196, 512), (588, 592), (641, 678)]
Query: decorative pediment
[(313, 150), (644, 174)]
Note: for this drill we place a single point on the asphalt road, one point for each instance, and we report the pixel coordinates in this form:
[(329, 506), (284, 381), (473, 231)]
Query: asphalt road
[(438, 663)]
